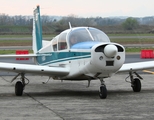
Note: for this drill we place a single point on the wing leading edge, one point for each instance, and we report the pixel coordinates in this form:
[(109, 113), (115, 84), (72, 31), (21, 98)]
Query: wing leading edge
[(34, 69), (137, 66)]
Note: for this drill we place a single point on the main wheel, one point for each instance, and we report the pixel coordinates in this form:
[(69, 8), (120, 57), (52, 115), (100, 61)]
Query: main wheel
[(103, 92), (19, 88), (136, 85)]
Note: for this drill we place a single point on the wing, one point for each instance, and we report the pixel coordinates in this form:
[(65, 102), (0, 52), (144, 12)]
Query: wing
[(137, 66), (34, 69)]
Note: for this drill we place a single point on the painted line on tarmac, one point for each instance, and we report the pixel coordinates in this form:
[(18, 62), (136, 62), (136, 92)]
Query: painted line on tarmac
[(148, 71)]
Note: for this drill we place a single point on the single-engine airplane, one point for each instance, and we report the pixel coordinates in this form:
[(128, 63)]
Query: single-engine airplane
[(78, 53)]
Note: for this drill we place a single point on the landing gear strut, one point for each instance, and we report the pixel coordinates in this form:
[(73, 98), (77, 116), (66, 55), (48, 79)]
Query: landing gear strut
[(135, 82), (103, 90)]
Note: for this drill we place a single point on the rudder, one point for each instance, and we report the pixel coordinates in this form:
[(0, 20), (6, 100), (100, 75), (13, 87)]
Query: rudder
[(37, 30)]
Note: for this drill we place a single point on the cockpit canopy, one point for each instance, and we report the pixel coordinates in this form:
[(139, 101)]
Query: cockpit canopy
[(79, 35), (87, 34)]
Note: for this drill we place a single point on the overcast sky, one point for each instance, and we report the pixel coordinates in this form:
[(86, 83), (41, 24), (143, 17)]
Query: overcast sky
[(81, 8)]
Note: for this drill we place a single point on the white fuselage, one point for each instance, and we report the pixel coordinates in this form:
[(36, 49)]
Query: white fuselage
[(87, 59)]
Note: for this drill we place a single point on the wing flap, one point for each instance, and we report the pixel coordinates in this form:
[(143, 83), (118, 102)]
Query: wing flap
[(137, 66), (34, 69)]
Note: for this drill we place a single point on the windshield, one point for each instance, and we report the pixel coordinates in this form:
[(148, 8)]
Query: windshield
[(86, 34), (98, 35), (79, 35)]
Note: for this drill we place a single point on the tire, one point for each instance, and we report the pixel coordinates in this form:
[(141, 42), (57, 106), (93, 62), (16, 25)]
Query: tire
[(136, 85), (103, 92), (19, 88)]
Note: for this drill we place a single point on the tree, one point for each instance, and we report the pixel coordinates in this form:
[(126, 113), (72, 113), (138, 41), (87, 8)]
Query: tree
[(130, 24)]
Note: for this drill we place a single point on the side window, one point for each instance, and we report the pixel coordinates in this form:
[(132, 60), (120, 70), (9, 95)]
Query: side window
[(62, 42), (54, 44)]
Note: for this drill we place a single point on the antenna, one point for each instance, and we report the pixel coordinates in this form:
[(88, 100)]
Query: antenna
[(70, 25)]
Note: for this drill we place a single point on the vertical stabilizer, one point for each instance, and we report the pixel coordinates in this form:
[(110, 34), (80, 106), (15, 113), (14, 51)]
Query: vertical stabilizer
[(37, 30)]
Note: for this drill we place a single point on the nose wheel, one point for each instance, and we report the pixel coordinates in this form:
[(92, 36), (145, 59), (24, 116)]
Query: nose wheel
[(102, 90)]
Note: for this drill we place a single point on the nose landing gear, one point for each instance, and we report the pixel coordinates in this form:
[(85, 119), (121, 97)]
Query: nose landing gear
[(102, 90)]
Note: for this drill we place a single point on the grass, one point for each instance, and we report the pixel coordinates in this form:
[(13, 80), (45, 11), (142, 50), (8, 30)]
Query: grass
[(2, 52), (15, 42), (131, 34), (28, 41), (20, 40), (25, 36), (7, 52), (133, 41), (128, 50), (136, 50), (15, 28)]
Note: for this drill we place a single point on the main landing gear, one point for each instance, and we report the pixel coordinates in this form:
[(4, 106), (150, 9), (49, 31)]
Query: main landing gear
[(135, 82), (20, 85)]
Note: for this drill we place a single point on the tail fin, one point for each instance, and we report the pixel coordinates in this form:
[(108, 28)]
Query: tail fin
[(37, 30)]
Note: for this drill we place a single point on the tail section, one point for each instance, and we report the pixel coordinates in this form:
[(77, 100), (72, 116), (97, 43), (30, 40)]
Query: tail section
[(37, 30)]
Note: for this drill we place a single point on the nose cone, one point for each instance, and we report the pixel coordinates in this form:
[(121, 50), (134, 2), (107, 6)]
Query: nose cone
[(110, 51)]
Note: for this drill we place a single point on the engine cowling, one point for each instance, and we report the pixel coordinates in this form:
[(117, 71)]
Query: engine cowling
[(106, 59)]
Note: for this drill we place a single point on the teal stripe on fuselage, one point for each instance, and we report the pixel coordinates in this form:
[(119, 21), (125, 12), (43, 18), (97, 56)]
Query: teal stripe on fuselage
[(55, 57)]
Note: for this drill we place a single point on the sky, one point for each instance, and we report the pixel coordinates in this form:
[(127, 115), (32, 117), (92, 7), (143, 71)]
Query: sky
[(80, 8)]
